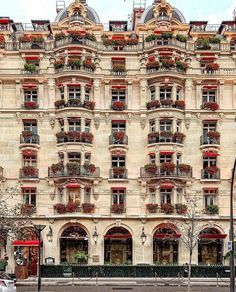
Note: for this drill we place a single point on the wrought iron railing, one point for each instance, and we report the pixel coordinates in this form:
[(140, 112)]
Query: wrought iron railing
[(165, 173), (34, 139), (81, 171), (205, 140), (114, 141)]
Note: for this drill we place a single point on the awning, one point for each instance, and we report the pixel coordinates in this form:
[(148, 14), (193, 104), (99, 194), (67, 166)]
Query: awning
[(32, 58), (151, 153), (167, 186), (29, 85), (73, 84), (25, 243), (210, 189), (118, 121), (210, 154), (167, 152), (29, 153), (212, 236), (118, 188), (118, 86), (167, 236), (72, 186), (118, 236)]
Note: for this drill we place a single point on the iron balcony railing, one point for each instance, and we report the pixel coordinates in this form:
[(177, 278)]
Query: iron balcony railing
[(34, 139), (32, 45), (206, 175), (114, 141), (71, 139), (74, 68), (118, 173), (118, 209), (24, 174), (205, 140), (162, 173), (81, 171), (161, 139)]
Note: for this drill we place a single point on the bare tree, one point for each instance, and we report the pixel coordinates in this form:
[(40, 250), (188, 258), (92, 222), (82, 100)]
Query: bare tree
[(189, 228)]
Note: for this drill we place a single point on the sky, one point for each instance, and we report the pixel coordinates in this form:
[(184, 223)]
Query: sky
[(212, 10)]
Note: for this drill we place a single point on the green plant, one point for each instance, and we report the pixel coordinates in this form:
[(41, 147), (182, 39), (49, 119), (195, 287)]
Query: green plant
[(30, 68), (81, 256), (60, 36), (151, 168), (3, 264), (167, 208), (181, 208), (166, 35), (212, 209), (167, 63), (150, 38), (118, 67), (214, 40), (203, 43), (90, 37), (89, 64), (74, 63), (182, 65), (73, 168), (181, 38)]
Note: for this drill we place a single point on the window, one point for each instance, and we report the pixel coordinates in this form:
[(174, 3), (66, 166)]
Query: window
[(118, 161), (87, 195), (74, 195), (178, 96), (210, 197), (165, 93), (118, 95), (165, 158), (208, 96), (87, 93), (165, 126), (152, 126), (30, 95), (29, 196), (118, 126), (30, 126), (118, 196), (178, 159), (152, 195), (209, 161), (209, 127), (61, 124), (152, 158), (152, 93), (87, 126), (178, 126), (74, 157), (75, 125), (74, 92), (62, 92), (165, 196), (30, 160)]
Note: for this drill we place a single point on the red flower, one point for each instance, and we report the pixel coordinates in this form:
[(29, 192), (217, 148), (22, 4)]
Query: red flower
[(151, 168), (30, 104), (119, 136), (60, 208), (168, 166), (71, 207), (88, 207), (89, 104), (153, 104), (180, 104), (118, 105), (152, 208), (167, 208), (213, 106)]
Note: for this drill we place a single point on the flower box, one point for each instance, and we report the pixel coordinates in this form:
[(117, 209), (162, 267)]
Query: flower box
[(212, 67), (213, 135), (119, 136), (88, 208), (212, 209), (27, 134), (60, 208), (29, 170), (118, 105), (180, 104), (167, 166), (179, 137), (57, 167), (89, 104), (213, 106), (185, 168), (182, 65), (86, 137), (181, 209), (73, 168), (153, 104), (152, 208), (59, 64), (89, 64), (59, 103), (28, 209), (71, 207), (167, 208), (30, 104), (117, 208), (118, 171), (166, 102), (74, 135), (151, 168), (212, 170), (167, 63), (30, 68), (153, 65)]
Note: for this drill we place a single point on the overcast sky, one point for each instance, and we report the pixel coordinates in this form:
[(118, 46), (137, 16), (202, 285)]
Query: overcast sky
[(212, 10)]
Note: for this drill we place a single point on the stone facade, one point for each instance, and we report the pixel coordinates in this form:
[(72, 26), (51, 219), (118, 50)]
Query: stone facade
[(95, 118)]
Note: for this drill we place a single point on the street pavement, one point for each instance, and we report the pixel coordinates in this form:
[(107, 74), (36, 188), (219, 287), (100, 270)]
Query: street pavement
[(120, 289)]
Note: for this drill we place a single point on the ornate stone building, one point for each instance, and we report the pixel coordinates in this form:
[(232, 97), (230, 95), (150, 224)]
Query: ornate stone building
[(111, 129)]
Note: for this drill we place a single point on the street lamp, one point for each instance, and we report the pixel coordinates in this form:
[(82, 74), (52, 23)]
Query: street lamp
[(143, 236), (231, 232), (49, 234), (39, 229), (95, 235)]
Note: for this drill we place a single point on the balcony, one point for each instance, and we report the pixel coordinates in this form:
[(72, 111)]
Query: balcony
[(118, 173), (166, 137), (158, 171), (29, 172), (118, 209), (210, 173), (166, 103), (163, 18), (68, 68), (28, 137), (118, 138), (30, 105), (205, 140), (32, 45), (74, 137), (72, 207), (118, 105), (73, 169), (164, 69), (59, 104)]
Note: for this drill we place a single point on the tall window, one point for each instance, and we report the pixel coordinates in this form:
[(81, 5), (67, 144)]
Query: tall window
[(74, 195), (87, 126), (165, 196), (118, 196), (209, 161), (165, 158), (152, 195), (31, 95), (209, 96), (165, 93), (74, 92), (118, 95), (208, 126), (152, 158), (29, 196), (62, 92), (30, 126), (74, 125), (210, 197), (61, 124), (30, 160), (118, 161), (74, 157), (152, 93), (178, 126), (178, 159), (178, 94), (165, 126), (87, 93), (118, 126)]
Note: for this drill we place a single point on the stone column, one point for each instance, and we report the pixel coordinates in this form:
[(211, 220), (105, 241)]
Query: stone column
[(19, 94), (129, 94), (143, 93), (174, 92), (107, 95), (157, 91), (66, 97), (188, 93), (97, 97), (82, 92), (66, 125), (51, 93), (82, 189), (198, 97), (41, 95), (82, 124), (221, 93)]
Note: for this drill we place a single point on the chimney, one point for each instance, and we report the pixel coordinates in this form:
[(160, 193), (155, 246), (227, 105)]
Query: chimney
[(138, 9)]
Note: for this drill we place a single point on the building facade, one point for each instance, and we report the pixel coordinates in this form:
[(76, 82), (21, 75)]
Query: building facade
[(110, 130)]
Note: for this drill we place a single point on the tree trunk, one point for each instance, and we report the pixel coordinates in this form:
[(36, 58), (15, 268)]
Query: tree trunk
[(189, 270)]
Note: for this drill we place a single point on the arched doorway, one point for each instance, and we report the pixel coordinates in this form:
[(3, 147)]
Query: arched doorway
[(166, 244), (118, 247), (74, 245), (210, 246)]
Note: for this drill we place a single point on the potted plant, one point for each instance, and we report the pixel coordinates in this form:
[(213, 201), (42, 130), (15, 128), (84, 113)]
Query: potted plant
[(181, 209), (73, 168), (118, 105), (88, 104), (152, 208), (181, 38), (57, 167), (74, 63), (60, 208), (88, 208), (185, 168), (86, 137), (119, 136), (151, 168), (212, 209), (183, 66), (180, 104), (166, 102), (213, 135), (26, 134), (167, 166), (30, 104), (118, 67), (89, 64), (82, 257), (153, 104), (153, 65), (213, 106), (59, 103), (179, 137), (210, 67), (212, 169), (150, 38), (167, 63), (117, 208), (71, 207), (59, 64), (29, 171), (31, 68), (74, 102), (28, 209), (60, 36), (167, 208)]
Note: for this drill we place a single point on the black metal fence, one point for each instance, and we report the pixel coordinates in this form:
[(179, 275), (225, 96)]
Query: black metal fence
[(140, 271)]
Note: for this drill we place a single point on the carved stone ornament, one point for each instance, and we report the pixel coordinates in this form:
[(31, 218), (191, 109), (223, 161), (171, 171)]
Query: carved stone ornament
[(143, 85), (97, 84), (52, 122), (187, 122), (96, 122), (143, 121)]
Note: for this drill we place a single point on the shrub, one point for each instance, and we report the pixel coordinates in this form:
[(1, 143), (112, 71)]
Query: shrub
[(88, 207), (181, 208), (166, 35), (203, 43), (74, 102), (152, 208), (118, 171), (214, 40), (74, 63), (167, 63), (132, 41), (150, 38), (86, 137), (166, 102), (165, 134), (153, 104), (60, 208), (181, 38), (59, 64), (30, 67), (60, 36), (61, 134), (151, 168), (90, 37), (182, 65), (212, 209), (89, 64)]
